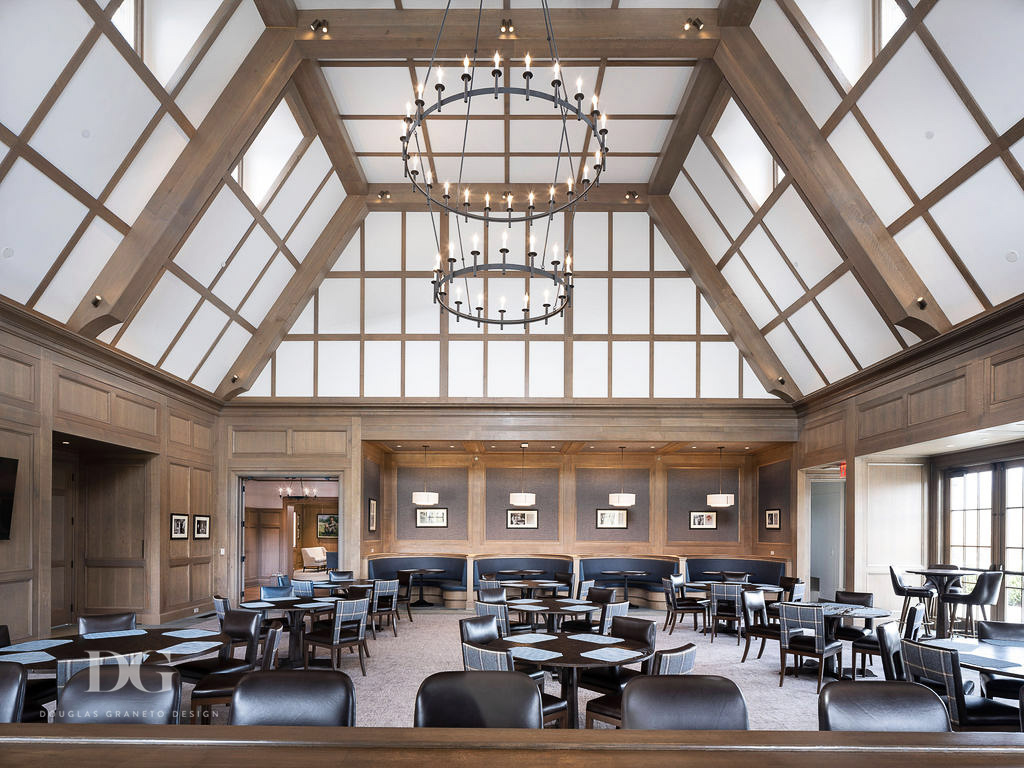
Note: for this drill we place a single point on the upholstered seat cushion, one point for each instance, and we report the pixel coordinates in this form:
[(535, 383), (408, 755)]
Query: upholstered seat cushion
[(532, 670), (854, 633), (868, 644), (578, 625), (607, 679), (985, 712), (197, 670), (769, 631), (806, 643), (38, 693), (1000, 686), (609, 705), (218, 686), (326, 637)]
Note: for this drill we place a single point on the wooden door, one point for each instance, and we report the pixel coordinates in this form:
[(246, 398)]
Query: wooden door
[(264, 545), (62, 538)]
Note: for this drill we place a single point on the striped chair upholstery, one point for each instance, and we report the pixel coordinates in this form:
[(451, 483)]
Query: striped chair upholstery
[(303, 588), (675, 661), (608, 612), (384, 594), (347, 631), (499, 611), (280, 591), (350, 614), (284, 581), (802, 633), (799, 592), (726, 606), (221, 605), (488, 584), (478, 658), (938, 665), (584, 588)]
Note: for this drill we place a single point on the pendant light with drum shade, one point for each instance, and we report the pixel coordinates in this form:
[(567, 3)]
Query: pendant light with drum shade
[(522, 499), (424, 498), (621, 499), (720, 500)]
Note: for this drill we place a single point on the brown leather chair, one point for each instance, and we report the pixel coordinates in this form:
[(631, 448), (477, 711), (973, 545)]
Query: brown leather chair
[(243, 628), (614, 679), (38, 691), (673, 661), (478, 700), (481, 630), (683, 703), (755, 621), (995, 686), (850, 633), (480, 658), (219, 688), (887, 707), (110, 622), (154, 701), (13, 678), (294, 697)]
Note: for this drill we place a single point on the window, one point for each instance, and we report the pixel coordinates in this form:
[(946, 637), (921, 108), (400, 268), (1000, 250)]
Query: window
[(970, 519), (1014, 548)]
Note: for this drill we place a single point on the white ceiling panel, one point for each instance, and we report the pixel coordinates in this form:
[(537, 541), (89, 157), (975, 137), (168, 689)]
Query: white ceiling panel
[(370, 90), (382, 368), (503, 293), (376, 135), (919, 118), (304, 323), (631, 241), (79, 270), (542, 76), (97, 119), (869, 170), (590, 241), (316, 217), (421, 314), (675, 369), (631, 305), (267, 290), (709, 322), (526, 136), (220, 229), (719, 369), (506, 368), (637, 135), (222, 357), (795, 61), (641, 90), (717, 189), (245, 267), (170, 29), (383, 305), (37, 218), (37, 58), (675, 305), (382, 232), (984, 52), (699, 218), (982, 219), (383, 170), (664, 258), (745, 151), (821, 343), (748, 291), (421, 245), (339, 306), (220, 62), (771, 269), (465, 369), (298, 188), (270, 150), (295, 369), (847, 306), (337, 365), (938, 272), (422, 368), (844, 27), (628, 170), (475, 170), (631, 365), (158, 320), (547, 362), (590, 369), (194, 342), (147, 170), (452, 78), (541, 171), (794, 359), (801, 238), (482, 136), (260, 387), (752, 387), (350, 259), (542, 292), (590, 305)]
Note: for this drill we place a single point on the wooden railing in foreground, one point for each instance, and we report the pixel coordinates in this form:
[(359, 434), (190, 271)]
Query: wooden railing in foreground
[(109, 746)]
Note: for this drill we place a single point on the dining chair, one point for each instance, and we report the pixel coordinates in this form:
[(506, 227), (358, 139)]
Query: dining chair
[(994, 686), (480, 658), (335, 576), (614, 679), (683, 703), (500, 613), (278, 591), (282, 580), (676, 606), (319, 697), (755, 621), (478, 700), (38, 691), (221, 605), (673, 661), (864, 599), (492, 594), (984, 594), (384, 605), (924, 594), (726, 606), (786, 596), (583, 589), (97, 695), (481, 630), (110, 622), (803, 635), (735, 577), (13, 680), (303, 588), (564, 579), (242, 628), (219, 688), (889, 707), (932, 664), (404, 593), (597, 596), (348, 631)]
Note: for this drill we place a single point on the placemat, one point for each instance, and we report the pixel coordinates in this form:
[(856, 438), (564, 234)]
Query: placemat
[(34, 645), (196, 646), (278, 599), (985, 661), (534, 654), (610, 654), (530, 637), (34, 657), (572, 600), (312, 605), (530, 608), (189, 633), (596, 639), (522, 601), (257, 604), (114, 633)]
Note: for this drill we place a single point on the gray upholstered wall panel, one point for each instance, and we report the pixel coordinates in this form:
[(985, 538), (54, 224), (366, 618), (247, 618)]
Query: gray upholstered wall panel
[(592, 489), (371, 490), (452, 485), (687, 492), (773, 492), (543, 481)]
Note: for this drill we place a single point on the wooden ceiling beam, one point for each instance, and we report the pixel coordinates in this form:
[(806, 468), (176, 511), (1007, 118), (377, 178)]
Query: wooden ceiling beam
[(704, 83), (737, 13), (730, 310), (827, 186), (592, 33), (278, 13), (316, 96), (292, 300), (195, 176), (606, 197)]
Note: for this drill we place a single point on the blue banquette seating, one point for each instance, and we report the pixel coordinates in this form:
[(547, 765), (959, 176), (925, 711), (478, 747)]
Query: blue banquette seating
[(450, 585), (549, 564), (761, 571), (642, 589)]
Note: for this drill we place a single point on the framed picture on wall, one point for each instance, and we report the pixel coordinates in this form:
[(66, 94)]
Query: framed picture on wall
[(327, 526), (179, 526), (772, 518), (520, 518), (612, 518), (201, 527), (431, 517), (703, 520), (371, 515)]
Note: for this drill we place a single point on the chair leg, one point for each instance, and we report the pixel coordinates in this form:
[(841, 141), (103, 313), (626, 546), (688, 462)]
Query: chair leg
[(821, 672), (305, 656), (668, 616), (589, 723), (365, 647), (903, 613), (714, 628), (737, 634), (746, 650), (373, 628), (761, 651), (782, 666), (394, 622), (362, 661), (408, 608)]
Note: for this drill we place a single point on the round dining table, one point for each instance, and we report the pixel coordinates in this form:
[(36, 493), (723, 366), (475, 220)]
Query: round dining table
[(834, 614), (999, 657), (553, 607), (530, 586), (943, 580), (421, 572), (626, 576), (296, 608), (568, 653), (521, 572), (706, 586)]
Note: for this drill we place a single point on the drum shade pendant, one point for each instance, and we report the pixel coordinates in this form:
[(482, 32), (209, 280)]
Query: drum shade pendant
[(424, 498), (621, 499), (720, 499), (522, 499)]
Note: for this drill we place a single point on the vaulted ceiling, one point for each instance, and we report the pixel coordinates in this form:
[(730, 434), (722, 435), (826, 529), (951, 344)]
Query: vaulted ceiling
[(820, 185)]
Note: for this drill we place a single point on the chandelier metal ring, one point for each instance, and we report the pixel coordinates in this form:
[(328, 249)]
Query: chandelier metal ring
[(561, 279), (414, 121)]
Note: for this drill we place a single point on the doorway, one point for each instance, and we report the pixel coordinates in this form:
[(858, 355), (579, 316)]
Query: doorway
[(828, 547)]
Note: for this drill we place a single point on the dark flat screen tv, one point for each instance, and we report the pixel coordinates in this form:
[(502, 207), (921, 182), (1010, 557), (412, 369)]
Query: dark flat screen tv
[(8, 478)]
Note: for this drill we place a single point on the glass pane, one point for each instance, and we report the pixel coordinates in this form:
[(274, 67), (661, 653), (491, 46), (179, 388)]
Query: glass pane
[(1015, 487), (956, 527), (984, 490), (1014, 528), (971, 528), (956, 493), (971, 490), (1015, 560)]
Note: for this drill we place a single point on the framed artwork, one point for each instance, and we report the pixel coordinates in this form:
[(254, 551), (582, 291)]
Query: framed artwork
[(327, 526), (297, 530), (179, 526), (703, 520), (371, 515), (520, 518), (431, 517), (201, 526), (612, 518), (772, 518)]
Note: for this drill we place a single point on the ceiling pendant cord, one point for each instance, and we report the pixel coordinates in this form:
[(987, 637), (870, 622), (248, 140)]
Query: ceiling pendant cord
[(720, 499), (622, 499)]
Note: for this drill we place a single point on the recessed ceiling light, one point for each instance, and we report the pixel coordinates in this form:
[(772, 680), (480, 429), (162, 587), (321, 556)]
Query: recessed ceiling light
[(929, 135), (451, 446), (949, 445), (693, 446), (7, 252), (746, 448), (65, 442), (398, 446), (1012, 256)]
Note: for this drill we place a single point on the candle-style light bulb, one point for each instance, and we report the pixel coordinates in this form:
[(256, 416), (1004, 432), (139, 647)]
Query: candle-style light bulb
[(408, 109), (430, 177), (568, 262), (593, 100), (547, 295), (458, 292), (579, 85), (551, 194), (419, 90), (526, 299), (502, 302), (465, 65), (446, 189), (479, 299), (467, 196), (437, 262), (533, 241), (527, 62), (556, 69), (504, 238), (440, 75), (586, 172), (487, 199), (497, 60), (476, 240), (531, 199), (568, 183), (554, 251), (604, 121)]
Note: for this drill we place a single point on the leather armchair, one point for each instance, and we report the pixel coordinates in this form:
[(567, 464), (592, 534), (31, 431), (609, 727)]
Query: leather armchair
[(478, 700), (683, 703), (38, 691), (13, 678), (294, 697), (479, 630), (888, 707), (613, 679), (243, 628), (155, 701), (111, 622), (866, 599)]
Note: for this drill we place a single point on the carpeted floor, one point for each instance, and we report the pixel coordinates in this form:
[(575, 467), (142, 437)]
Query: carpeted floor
[(385, 697)]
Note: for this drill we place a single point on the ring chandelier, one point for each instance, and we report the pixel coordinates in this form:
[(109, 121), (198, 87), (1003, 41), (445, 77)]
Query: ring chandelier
[(458, 278)]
